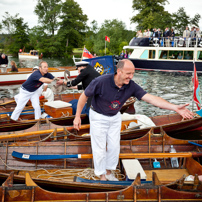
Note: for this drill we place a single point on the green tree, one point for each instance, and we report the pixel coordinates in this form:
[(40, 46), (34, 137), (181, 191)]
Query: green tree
[(116, 31), (181, 20), (37, 35), (17, 33), (91, 36), (48, 12), (150, 13), (72, 26)]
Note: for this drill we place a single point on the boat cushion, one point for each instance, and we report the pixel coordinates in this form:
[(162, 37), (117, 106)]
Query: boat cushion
[(132, 168), (58, 104)]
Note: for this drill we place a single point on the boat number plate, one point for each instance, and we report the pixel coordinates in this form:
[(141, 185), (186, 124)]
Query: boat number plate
[(25, 156)]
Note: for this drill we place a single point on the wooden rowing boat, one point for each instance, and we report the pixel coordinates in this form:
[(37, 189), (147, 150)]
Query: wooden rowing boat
[(145, 149), (149, 143), (8, 125), (178, 190)]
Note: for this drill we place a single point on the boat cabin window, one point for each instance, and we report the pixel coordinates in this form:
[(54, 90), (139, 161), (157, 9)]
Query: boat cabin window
[(145, 54), (199, 55), (188, 55), (148, 54), (152, 54), (163, 54), (179, 55)]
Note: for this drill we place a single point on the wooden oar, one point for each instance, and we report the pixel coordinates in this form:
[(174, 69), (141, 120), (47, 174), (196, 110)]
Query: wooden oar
[(5, 103), (40, 132), (87, 156)]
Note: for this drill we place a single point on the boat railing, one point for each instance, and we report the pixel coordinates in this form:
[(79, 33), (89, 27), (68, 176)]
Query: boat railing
[(175, 42)]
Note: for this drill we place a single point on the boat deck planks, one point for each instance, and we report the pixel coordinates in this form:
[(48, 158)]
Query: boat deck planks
[(167, 175)]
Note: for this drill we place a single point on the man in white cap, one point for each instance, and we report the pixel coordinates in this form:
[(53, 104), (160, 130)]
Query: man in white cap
[(29, 89), (86, 74)]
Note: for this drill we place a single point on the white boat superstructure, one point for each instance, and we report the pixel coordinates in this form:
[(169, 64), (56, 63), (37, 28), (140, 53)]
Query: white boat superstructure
[(175, 56)]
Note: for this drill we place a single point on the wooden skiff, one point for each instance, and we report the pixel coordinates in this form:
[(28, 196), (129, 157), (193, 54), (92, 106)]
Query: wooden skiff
[(179, 190)]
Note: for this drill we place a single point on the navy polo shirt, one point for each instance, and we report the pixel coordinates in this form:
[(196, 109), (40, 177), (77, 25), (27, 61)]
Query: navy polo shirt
[(33, 83), (109, 98)]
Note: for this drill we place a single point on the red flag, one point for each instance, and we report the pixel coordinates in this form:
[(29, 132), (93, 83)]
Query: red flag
[(107, 39), (197, 97), (87, 54)]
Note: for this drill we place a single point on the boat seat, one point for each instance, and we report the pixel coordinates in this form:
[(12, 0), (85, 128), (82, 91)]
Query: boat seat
[(58, 104), (58, 108), (132, 167)]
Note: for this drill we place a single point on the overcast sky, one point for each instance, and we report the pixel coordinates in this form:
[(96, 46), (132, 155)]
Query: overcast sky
[(96, 10)]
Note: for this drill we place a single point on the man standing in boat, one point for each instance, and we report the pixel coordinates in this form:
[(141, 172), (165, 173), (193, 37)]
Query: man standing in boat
[(29, 89), (3, 59), (109, 94)]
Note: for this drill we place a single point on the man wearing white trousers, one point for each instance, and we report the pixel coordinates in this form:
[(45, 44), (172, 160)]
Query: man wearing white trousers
[(29, 89), (109, 94)]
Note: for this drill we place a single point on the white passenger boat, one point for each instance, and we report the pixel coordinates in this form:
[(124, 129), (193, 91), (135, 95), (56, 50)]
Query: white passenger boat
[(166, 54), (33, 54), (15, 78)]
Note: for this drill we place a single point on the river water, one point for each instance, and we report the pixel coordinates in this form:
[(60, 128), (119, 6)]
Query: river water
[(175, 88)]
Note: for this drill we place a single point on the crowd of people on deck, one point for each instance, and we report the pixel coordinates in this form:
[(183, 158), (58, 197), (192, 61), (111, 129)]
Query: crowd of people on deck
[(125, 54), (189, 36)]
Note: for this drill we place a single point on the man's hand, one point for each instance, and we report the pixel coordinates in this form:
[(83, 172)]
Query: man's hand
[(60, 82), (77, 123), (184, 112)]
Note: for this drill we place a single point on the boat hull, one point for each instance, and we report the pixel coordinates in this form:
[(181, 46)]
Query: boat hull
[(15, 78), (169, 66)]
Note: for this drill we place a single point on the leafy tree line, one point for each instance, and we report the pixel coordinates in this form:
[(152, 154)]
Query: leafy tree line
[(62, 26), (151, 14)]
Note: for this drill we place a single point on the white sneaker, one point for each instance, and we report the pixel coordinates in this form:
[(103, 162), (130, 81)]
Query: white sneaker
[(111, 177)]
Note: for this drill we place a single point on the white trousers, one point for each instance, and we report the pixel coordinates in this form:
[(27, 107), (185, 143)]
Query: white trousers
[(105, 141), (22, 100)]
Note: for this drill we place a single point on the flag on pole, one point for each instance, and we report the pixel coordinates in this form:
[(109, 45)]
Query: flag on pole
[(87, 54), (107, 39), (197, 97)]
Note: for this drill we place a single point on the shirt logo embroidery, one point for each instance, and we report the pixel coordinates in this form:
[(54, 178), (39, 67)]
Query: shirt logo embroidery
[(115, 105)]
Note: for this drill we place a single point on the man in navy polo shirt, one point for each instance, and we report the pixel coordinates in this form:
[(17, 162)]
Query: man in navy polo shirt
[(109, 94), (29, 88)]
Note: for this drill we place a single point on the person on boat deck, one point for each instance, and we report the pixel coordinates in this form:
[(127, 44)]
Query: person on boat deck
[(29, 89), (122, 54), (164, 56), (186, 35), (109, 93), (188, 57), (14, 67), (179, 56), (3, 59), (86, 74)]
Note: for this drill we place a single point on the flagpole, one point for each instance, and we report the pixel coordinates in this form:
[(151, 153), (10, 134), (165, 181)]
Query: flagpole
[(193, 86), (82, 53), (105, 47)]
